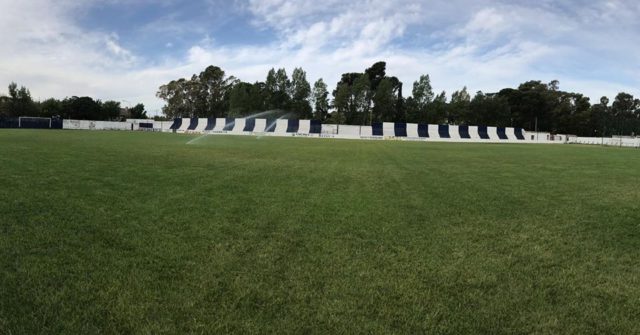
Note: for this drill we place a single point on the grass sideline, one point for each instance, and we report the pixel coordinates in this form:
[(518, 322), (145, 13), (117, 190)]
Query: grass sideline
[(130, 232)]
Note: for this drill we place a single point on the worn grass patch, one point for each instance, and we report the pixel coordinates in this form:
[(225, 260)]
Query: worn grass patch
[(122, 232)]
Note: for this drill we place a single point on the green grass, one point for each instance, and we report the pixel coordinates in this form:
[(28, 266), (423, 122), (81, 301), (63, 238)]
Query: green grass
[(121, 232)]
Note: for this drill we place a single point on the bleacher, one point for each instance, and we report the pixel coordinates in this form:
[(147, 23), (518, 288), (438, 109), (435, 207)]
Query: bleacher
[(290, 127)]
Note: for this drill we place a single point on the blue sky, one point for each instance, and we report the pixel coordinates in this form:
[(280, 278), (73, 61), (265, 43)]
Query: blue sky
[(123, 50)]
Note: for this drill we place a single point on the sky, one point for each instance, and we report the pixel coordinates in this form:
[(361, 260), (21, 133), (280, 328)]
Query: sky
[(124, 50)]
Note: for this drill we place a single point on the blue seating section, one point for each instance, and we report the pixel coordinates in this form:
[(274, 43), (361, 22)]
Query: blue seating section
[(177, 123), (423, 130), (464, 132), (502, 133), (194, 123), (400, 129), (482, 132), (316, 127), (211, 123), (271, 126), (229, 124), (249, 125), (293, 125), (443, 131), (378, 129)]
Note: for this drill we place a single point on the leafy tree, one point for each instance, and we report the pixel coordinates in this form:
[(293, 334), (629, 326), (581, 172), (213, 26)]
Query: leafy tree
[(4, 106), (138, 112), (212, 88), (19, 102), (175, 94), (51, 107), (206, 94), (239, 103), (489, 109), (278, 89), (320, 98), (300, 94), (625, 112), (110, 110), (82, 108), (438, 111), (422, 96), (341, 104), (384, 102), (361, 99), (247, 99), (459, 110), (399, 108), (376, 73)]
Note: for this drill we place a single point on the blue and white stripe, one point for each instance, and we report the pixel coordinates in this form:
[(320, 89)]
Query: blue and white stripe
[(384, 130)]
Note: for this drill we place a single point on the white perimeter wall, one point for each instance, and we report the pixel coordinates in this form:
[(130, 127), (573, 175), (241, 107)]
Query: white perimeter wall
[(202, 123), (281, 126), (304, 127), (616, 142), (412, 130), (238, 127), (350, 131), (366, 131), (261, 124), (95, 125)]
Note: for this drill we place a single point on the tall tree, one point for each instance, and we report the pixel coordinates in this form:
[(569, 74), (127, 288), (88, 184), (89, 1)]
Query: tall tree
[(247, 99), (300, 94), (212, 88), (489, 109), (361, 92), (138, 112), (19, 102), (110, 110), (175, 94), (341, 103), (459, 107), (624, 110), (82, 108), (384, 102), (206, 94), (51, 107), (438, 114), (376, 73), (278, 89), (320, 97), (422, 96)]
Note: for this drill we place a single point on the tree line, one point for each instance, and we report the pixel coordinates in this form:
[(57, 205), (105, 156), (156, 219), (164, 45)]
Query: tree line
[(20, 103), (362, 98)]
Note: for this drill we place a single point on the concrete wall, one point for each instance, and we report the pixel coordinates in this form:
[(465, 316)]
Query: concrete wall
[(614, 142), (349, 131), (239, 126), (281, 126), (95, 125), (305, 127), (354, 132)]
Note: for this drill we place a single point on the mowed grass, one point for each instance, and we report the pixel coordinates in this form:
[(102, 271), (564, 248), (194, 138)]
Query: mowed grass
[(122, 232)]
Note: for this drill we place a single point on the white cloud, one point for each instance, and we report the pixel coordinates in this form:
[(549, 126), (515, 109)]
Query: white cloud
[(486, 45)]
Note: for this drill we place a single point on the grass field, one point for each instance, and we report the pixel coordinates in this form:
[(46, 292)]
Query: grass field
[(122, 232)]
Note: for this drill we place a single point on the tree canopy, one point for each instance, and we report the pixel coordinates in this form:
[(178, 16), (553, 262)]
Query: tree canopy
[(18, 103), (362, 98)]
